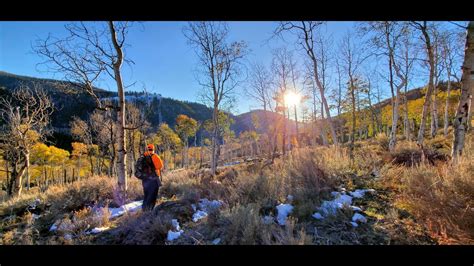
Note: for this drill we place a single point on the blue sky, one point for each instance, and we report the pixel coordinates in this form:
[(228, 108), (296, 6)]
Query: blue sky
[(164, 62)]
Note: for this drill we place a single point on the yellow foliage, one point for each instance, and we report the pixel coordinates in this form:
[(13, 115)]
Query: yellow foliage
[(78, 149), (40, 154), (415, 107)]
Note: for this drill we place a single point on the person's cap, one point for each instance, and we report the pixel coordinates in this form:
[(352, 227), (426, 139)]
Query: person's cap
[(150, 147)]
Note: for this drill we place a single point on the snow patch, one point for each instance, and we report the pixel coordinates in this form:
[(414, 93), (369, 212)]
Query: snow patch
[(330, 207), (318, 216), (283, 211), (340, 200), (216, 241), (232, 163), (114, 212), (130, 207), (176, 232), (175, 224), (209, 205), (359, 193), (173, 235), (199, 215), (354, 224), (53, 227), (99, 230), (359, 218), (204, 207)]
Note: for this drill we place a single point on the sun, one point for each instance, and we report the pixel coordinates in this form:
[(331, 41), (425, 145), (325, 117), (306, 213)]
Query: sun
[(292, 98)]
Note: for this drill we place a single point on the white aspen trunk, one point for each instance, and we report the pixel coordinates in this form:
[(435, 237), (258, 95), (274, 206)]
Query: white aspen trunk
[(395, 116), (121, 145), (19, 177), (469, 119), (434, 107), (406, 122), (396, 99), (446, 106), (426, 104), (462, 112), (323, 127), (214, 141), (351, 154), (323, 98), (27, 164)]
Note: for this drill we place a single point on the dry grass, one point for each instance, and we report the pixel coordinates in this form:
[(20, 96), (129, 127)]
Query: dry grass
[(243, 225), (442, 196), (382, 140), (409, 154), (139, 229), (69, 204), (412, 199)]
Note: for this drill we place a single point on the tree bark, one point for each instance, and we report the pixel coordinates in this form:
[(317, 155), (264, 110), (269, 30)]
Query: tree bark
[(91, 164), (296, 124), (18, 179), (446, 106), (434, 106), (396, 98), (121, 145), (429, 48), (321, 89), (353, 101), (462, 112), (27, 172), (324, 137), (214, 139), (406, 121), (469, 119)]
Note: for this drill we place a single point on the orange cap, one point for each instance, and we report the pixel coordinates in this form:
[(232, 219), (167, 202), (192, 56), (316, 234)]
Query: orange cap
[(150, 147)]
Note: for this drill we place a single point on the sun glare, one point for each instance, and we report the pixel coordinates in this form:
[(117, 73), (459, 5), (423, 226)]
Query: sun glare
[(292, 98)]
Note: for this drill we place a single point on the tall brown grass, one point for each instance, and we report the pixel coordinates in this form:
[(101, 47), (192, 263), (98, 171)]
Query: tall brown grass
[(69, 204), (442, 196)]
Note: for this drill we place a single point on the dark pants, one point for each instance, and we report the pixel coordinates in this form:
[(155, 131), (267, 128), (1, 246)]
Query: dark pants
[(150, 189)]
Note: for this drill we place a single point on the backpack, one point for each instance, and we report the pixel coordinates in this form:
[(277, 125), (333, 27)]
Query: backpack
[(144, 167)]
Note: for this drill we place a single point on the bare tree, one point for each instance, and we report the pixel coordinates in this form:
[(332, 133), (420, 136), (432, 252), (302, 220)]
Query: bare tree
[(83, 57), (424, 28), (306, 36), (462, 112), (323, 53), (448, 55), (386, 37), (373, 111), (26, 117), (407, 56), (135, 120), (104, 129), (438, 70), (351, 58), (260, 89), (82, 131), (220, 65), (284, 73), (260, 83), (339, 87), (317, 125)]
